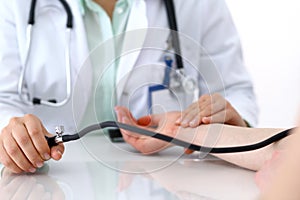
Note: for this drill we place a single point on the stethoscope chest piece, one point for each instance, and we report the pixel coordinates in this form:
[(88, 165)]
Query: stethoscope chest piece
[(181, 82)]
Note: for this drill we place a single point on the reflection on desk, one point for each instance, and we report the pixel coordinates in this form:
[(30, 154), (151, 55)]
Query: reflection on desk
[(96, 169)]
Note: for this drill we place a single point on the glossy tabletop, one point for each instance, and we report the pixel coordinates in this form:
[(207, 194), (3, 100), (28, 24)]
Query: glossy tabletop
[(95, 168)]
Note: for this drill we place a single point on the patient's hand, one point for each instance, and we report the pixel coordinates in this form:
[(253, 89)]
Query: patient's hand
[(162, 123)]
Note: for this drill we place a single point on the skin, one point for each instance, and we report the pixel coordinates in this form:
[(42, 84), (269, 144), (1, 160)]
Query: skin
[(23, 146), (216, 135), (210, 109), (285, 182), (107, 5), (276, 165)]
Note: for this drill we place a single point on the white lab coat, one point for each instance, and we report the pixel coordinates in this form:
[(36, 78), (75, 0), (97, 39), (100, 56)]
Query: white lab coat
[(201, 23)]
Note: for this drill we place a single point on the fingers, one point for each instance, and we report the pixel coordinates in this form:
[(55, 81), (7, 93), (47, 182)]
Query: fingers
[(219, 117), (151, 120), (216, 104), (145, 121), (129, 136), (191, 116), (125, 120), (34, 129), (17, 156), (124, 116), (210, 109), (8, 162), (57, 151), (118, 113), (188, 114), (207, 105), (12, 155), (124, 112), (144, 144), (228, 116), (134, 139), (23, 146)]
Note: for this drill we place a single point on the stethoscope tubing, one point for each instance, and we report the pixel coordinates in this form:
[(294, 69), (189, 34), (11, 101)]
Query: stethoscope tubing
[(214, 150), (69, 27), (174, 32)]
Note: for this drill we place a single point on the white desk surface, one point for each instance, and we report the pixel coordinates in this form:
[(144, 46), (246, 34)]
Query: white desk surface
[(95, 168)]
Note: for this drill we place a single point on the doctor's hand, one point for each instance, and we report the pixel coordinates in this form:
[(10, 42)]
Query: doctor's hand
[(23, 146), (163, 123), (210, 109)]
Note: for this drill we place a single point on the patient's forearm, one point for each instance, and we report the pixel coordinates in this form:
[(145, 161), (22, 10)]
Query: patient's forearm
[(218, 135), (286, 183)]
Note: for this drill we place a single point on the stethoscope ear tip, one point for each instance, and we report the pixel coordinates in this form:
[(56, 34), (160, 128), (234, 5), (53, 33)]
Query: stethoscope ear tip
[(38, 101), (52, 101)]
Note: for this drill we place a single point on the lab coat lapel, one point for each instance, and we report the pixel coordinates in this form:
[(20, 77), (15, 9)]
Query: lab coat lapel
[(80, 63), (46, 3), (79, 45), (79, 50), (133, 42)]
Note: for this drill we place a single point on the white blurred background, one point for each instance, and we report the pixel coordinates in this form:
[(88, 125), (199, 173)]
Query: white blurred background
[(270, 36)]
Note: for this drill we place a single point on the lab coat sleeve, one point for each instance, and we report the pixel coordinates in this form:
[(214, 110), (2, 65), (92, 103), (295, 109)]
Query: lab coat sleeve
[(10, 65), (221, 42)]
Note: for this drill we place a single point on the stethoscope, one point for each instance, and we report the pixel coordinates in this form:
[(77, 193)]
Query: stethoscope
[(187, 82), (69, 27), (180, 79), (60, 137)]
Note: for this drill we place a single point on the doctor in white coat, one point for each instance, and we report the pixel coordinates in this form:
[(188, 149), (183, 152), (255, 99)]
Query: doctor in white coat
[(210, 49)]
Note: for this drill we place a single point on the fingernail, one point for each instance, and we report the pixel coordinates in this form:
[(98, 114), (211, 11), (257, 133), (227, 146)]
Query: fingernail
[(31, 169), (192, 123), (195, 122), (184, 123), (205, 120), (59, 152), (39, 164), (46, 156), (178, 121)]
